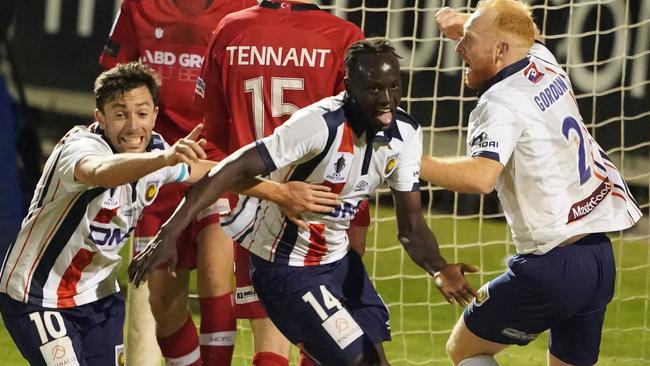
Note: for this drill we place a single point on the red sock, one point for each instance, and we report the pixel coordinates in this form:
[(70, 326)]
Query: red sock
[(305, 360), (218, 329), (182, 347), (269, 359)]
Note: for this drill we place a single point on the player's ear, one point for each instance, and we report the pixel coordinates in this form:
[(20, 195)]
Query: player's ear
[(99, 117), (502, 49)]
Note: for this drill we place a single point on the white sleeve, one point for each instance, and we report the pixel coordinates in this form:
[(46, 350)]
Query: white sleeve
[(495, 134), (72, 152), (539, 50), (406, 176), (299, 139)]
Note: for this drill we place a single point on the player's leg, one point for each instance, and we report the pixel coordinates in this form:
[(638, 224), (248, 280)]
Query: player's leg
[(215, 286), (463, 345), (576, 340), (41, 335), (269, 345), (175, 329), (307, 304), (102, 336)]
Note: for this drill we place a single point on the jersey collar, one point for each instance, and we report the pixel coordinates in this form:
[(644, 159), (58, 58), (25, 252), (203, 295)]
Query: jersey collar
[(294, 6), (504, 73)]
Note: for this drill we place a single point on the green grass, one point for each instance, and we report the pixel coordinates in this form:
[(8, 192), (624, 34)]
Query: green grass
[(421, 320)]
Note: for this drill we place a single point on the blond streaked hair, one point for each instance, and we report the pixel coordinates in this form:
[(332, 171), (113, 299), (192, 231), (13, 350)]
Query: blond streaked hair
[(513, 18)]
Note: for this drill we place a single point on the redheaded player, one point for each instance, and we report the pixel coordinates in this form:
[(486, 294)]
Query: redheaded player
[(262, 65), (171, 37)]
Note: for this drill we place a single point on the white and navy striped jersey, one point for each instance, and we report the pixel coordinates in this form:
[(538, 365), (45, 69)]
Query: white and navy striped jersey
[(557, 181), (66, 253), (317, 145)]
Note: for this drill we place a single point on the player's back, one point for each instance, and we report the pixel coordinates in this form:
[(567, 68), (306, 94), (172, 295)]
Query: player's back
[(269, 61)]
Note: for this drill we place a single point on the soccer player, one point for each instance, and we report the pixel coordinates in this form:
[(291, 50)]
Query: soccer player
[(308, 280), (559, 191), (262, 65), (171, 37)]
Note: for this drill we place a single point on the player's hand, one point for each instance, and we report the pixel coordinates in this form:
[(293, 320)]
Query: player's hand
[(450, 22), (159, 251), (188, 149), (453, 285), (304, 197)]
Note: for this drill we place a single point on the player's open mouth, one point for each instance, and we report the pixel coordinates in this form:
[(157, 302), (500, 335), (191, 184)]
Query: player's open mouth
[(385, 116), (132, 142)]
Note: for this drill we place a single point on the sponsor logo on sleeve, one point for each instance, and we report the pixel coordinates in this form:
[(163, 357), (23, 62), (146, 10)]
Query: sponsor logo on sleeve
[(342, 328), (199, 88), (533, 74)]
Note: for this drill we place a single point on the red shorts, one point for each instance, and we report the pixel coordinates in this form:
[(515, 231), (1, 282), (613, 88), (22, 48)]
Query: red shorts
[(247, 305), (153, 216)]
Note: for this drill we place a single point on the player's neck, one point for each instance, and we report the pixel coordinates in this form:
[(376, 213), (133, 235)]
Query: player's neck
[(193, 7)]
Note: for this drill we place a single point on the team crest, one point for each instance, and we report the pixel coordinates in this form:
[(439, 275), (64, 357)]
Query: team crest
[(483, 295), (532, 74), (391, 163), (151, 191), (120, 357), (158, 32)]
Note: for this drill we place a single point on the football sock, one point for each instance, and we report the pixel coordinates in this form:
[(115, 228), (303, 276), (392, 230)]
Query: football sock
[(269, 359), (218, 330), (482, 360), (182, 347)]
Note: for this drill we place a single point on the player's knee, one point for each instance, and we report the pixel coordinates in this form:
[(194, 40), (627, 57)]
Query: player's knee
[(454, 351), (165, 303), (482, 360)]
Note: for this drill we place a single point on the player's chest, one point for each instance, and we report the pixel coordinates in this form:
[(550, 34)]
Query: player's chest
[(360, 171)]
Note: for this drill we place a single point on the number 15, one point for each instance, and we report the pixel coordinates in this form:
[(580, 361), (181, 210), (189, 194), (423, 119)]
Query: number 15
[(279, 108)]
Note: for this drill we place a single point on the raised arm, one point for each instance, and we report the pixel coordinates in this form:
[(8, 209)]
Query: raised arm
[(421, 245), (118, 169), (229, 174)]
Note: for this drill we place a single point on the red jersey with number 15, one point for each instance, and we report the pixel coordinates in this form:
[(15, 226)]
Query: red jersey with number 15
[(266, 62), (173, 43)]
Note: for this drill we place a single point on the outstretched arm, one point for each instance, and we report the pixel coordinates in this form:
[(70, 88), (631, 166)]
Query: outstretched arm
[(461, 174), (231, 173), (422, 246)]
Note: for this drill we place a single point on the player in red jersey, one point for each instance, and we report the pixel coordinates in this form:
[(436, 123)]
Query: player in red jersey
[(262, 65), (171, 36)]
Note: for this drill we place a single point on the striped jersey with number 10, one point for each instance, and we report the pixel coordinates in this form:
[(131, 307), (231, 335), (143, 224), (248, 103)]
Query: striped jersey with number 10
[(67, 251)]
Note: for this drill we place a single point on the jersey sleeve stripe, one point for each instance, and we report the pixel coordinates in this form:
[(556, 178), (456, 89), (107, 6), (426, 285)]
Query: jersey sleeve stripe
[(266, 157), (59, 241)]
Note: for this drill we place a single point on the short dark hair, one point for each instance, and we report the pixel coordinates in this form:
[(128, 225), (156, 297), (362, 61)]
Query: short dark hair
[(367, 47), (113, 83)]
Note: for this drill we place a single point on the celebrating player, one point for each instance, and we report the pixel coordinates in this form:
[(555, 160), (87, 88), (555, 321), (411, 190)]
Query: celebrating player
[(307, 280), (558, 189), (171, 37), (263, 64)]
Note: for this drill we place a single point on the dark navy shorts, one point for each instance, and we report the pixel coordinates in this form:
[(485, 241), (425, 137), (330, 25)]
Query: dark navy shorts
[(565, 290), (89, 334), (332, 310)]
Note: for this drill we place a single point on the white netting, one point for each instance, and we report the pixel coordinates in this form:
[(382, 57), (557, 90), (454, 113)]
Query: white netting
[(605, 46)]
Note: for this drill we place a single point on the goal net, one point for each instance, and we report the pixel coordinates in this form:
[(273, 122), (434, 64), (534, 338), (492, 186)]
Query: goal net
[(605, 47)]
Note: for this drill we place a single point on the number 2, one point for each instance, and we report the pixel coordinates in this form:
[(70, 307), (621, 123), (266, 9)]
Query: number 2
[(569, 124), (279, 108)]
